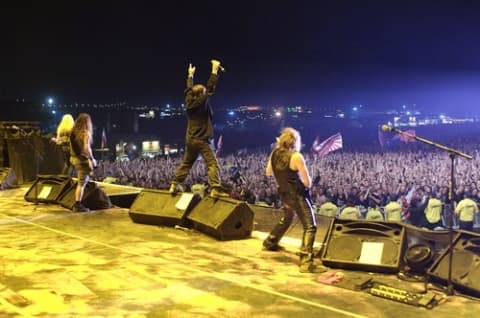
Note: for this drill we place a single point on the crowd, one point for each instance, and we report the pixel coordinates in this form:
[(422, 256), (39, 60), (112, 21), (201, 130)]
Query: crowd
[(345, 184)]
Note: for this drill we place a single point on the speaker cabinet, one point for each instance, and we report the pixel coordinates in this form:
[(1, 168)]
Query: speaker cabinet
[(364, 245), (123, 200), (94, 197), (48, 188), (222, 218), (465, 275), (159, 207), (8, 179)]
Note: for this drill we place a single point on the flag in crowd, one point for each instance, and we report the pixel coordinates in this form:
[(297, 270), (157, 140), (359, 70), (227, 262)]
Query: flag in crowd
[(103, 141), (406, 137), (219, 145), (330, 144)]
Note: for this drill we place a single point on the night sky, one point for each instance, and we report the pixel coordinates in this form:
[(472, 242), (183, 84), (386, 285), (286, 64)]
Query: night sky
[(381, 54)]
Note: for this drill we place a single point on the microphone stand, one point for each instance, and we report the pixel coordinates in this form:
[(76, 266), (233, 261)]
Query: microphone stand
[(451, 153)]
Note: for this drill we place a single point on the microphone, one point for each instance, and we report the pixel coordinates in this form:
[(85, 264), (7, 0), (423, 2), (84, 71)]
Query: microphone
[(387, 128), (220, 67)]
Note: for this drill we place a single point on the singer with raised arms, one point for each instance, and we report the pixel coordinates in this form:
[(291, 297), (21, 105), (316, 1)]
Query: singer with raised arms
[(199, 134)]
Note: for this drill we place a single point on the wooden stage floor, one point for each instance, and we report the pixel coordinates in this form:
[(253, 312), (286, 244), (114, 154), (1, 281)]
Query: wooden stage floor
[(56, 263)]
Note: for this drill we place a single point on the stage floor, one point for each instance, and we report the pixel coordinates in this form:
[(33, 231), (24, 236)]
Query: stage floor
[(56, 263)]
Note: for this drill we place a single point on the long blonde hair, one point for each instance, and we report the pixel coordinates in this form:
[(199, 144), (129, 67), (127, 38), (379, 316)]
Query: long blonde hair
[(289, 139), (66, 125)]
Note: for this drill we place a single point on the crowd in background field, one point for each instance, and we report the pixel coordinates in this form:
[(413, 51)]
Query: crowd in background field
[(345, 184)]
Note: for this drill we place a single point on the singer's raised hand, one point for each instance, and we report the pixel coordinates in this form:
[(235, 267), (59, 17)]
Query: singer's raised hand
[(191, 70), (215, 66)]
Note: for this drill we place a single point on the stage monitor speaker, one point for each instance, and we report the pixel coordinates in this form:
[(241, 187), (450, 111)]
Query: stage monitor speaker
[(364, 245), (465, 275), (160, 207), (94, 197), (48, 188), (222, 218), (8, 180)]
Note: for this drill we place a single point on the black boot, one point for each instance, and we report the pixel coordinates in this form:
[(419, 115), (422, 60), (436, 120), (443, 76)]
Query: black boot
[(307, 265), (306, 251), (79, 207), (270, 244)]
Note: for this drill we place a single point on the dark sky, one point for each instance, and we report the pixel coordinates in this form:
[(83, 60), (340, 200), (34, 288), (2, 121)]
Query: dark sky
[(320, 53)]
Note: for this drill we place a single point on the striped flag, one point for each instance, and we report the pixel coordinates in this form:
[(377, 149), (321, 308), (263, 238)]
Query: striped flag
[(408, 136), (330, 144)]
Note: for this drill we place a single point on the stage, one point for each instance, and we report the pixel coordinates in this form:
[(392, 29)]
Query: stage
[(56, 263)]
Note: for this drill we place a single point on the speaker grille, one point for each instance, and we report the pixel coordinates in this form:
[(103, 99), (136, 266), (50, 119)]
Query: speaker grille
[(348, 249), (465, 264), (48, 188), (158, 207), (349, 243), (222, 218)]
